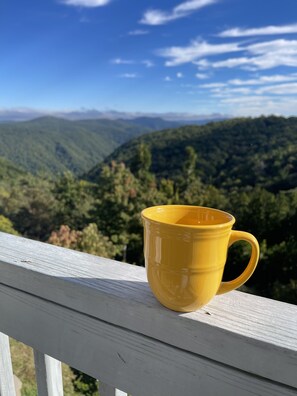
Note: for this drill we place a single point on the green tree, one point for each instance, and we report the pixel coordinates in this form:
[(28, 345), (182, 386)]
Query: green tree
[(31, 207), (189, 166), (74, 201), (89, 240), (142, 160), (7, 226), (189, 184), (94, 242), (84, 384), (116, 205)]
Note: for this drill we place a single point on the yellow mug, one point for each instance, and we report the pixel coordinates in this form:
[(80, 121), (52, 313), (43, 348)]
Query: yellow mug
[(185, 250)]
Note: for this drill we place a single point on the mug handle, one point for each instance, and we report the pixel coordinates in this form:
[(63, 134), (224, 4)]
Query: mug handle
[(247, 273)]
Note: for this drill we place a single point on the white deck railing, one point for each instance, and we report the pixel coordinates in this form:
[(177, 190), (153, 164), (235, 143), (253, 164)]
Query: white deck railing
[(99, 316)]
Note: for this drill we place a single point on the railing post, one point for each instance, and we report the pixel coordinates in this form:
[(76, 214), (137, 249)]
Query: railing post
[(6, 374), (48, 375)]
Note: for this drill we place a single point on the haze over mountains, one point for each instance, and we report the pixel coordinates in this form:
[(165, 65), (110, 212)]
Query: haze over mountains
[(26, 114)]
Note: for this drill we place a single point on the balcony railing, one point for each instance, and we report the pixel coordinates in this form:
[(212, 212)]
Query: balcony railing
[(99, 316)]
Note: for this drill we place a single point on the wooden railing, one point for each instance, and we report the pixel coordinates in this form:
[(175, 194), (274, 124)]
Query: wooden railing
[(99, 316)]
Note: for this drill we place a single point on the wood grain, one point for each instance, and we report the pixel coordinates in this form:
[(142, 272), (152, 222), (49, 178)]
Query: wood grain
[(6, 374), (237, 332), (48, 375), (130, 361)]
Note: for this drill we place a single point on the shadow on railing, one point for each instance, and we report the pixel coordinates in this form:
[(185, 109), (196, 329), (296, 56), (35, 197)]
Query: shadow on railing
[(99, 316)]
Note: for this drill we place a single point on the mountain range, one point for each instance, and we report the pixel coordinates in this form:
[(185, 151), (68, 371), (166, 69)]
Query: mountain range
[(54, 145), (230, 154), (27, 114)]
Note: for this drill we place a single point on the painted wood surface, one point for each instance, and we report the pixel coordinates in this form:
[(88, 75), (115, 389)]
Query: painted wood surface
[(6, 374), (107, 390), (132, 362), (236, 332), (48, 375)]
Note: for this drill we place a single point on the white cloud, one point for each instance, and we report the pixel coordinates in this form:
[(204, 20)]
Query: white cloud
[(86, 3), (267, 30), (192, 5), (229, 63), (277, 78), (261, 95), (242, 90), (155, 17), (246, 99), (159, 17), (258, 105), (266, 61), (202, 76), (213, 85), (138, 32), (288, 47), (247, 87), (197, 49), (179, 75), (202, 64), (280, 89), (167, 78), (148, 63), (226, 92), (259, 56), (120, 61), (129, 75)]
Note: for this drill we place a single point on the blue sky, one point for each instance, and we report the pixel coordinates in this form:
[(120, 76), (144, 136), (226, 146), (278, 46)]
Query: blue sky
[(236, 57)]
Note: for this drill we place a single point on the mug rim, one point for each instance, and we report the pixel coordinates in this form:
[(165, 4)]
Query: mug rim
[(231, 221)]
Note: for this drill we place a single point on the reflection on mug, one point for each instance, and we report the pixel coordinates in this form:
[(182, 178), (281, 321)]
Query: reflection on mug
[(185, 249)]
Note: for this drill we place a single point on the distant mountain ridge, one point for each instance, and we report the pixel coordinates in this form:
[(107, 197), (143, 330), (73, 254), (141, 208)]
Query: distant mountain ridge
[(158, 123), (238, 152), (54, 145), (27, 114), (154, 123)]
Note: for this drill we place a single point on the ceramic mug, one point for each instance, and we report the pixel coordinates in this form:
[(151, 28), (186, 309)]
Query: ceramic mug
[(185, 250)]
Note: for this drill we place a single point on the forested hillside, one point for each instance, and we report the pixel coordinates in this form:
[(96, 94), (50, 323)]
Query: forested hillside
[(9, 171), (54, 145), (233, 153)]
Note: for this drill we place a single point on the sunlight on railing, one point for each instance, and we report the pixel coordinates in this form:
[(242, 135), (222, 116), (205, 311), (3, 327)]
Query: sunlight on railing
[(99, 316)]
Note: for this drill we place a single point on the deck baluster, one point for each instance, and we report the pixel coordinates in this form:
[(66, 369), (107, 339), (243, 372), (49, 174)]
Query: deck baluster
[(48, 375), (6, 374)]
